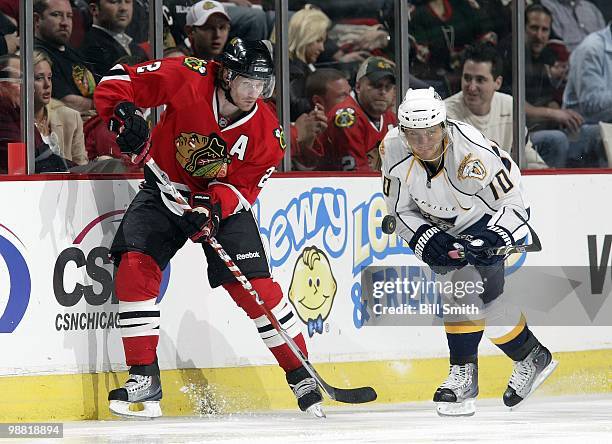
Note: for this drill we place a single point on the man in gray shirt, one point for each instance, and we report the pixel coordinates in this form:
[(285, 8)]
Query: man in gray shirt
[(573, 20)]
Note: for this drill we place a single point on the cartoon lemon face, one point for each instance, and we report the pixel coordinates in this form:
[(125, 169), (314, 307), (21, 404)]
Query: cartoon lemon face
[(313, 286)]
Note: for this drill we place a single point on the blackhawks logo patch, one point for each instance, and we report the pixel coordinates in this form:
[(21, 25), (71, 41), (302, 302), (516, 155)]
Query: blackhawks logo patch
[(195, 64), (202, 156), (345, 118), (471, 168), (84, 80), (280, 135)]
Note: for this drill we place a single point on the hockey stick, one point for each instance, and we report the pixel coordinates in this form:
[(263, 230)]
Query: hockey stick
[(389, 223), (356, 395)]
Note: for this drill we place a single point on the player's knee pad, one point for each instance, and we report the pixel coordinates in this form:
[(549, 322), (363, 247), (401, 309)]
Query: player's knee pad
[(138, 277)]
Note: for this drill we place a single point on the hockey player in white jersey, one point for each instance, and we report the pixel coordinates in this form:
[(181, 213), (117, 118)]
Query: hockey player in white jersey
[(448, 187)]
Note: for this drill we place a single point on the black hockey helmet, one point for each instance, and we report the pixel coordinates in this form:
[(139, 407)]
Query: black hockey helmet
[(251, 59)]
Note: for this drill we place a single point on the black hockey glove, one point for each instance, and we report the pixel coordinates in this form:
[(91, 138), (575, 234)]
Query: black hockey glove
[(203, 220), (492, 237), (132, 129), (432, 245)]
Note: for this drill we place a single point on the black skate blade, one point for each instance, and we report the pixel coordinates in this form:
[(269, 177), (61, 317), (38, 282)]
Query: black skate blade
[(357, 395)]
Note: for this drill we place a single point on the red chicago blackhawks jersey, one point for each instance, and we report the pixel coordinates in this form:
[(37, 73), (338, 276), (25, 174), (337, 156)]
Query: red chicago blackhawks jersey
[(192, 143), (351, 137)]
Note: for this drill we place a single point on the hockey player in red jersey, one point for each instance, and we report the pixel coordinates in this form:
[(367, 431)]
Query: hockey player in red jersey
[(218, 143), (356, 125)]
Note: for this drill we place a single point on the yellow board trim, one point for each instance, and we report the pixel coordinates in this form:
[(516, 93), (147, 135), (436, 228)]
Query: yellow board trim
[(465, 326), (511, 334), (226, 390)]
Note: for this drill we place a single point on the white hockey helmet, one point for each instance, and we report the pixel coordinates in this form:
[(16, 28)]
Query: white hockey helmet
[(421, 108)]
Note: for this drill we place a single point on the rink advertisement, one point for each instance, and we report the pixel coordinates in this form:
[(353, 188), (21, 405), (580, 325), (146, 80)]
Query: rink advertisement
[(57, 293)]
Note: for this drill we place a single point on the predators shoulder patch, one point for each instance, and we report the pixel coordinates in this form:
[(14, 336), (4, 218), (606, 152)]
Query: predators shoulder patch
[(280, 135), (196, 65), (471, 168), (345, 118)]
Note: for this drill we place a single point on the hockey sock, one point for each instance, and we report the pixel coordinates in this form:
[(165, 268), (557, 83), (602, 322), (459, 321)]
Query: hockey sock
[(272, 295), (518, 343), (463, 342), (137, 285)]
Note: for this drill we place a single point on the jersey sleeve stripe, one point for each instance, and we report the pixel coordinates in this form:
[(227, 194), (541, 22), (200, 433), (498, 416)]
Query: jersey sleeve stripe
[(125, 78)]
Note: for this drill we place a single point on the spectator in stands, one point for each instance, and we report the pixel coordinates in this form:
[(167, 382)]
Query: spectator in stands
[(589, 83), (356, 125), (106, 42), (442, 28), (480, 103), (9, 43), (10, 100), (60, 127), (249, 23), (73, 82), (325, 88), (10, 122), (207, 26), (573, 20), (307, 33), (545, 117)]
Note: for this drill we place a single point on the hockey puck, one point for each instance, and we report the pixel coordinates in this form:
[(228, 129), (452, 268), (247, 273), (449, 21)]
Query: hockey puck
[(388, 224)]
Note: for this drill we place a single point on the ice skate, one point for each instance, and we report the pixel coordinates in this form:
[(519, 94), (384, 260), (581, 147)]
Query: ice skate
[(140, 395), (528, 375), (306, 391), (457, 395)]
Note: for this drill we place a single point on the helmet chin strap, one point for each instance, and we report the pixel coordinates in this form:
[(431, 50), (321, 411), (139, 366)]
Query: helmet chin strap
[(226, 88), (228, 96)]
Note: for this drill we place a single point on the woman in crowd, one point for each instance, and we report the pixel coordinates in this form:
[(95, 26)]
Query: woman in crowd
[(307, 34), (10, 122), (60, 127)]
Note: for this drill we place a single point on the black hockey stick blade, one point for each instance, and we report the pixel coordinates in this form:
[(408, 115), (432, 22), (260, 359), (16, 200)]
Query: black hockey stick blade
[(357, 395)]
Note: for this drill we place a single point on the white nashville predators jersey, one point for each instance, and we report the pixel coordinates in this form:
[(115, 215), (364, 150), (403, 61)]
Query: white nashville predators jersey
[(476, 179)]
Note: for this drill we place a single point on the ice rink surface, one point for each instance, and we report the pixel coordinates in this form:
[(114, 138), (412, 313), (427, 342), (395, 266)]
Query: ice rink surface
[(550, 419)]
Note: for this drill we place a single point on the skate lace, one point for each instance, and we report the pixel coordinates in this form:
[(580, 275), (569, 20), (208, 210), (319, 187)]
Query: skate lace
[(459, 376), (303, 387), (521, 375), (137, 382)]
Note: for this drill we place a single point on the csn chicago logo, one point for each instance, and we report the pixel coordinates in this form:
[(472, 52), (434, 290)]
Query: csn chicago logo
[(13, 307), (84, 271)]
